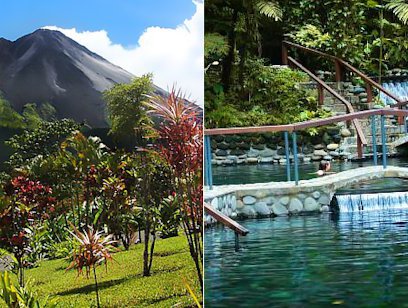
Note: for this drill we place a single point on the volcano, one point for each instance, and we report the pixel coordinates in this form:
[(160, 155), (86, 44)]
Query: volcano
[(47, 66)]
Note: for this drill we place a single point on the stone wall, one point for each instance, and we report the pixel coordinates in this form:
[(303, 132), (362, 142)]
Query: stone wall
[(286, 198), (269, 148)]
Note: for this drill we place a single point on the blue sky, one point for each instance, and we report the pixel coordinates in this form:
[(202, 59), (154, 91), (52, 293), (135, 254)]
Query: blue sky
[(163, 37), (122, 19)]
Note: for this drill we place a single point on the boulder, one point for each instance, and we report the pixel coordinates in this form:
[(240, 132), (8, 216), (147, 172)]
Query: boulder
[(214, 203), (240, 204), (324, 200), (295, 205), (237, 152), (284, 200), (249, 211), (279, 209), (262, 209), (345, 132), (253, 153), (332, 146), (258, 146), (327, 157), (221, 153), (316, 158), (266, 160), (316, 194), (266, 153), (311, 204), (319, 146), (307, 159), (325, 209), (222, 146), (249, 200), (320, 153)]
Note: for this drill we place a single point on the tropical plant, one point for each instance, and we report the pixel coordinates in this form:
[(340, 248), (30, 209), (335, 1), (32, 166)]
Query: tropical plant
[(93, 250), (44, 140), (25, 204), (180, 142), (128, 120), (400, 9), (22, 297)]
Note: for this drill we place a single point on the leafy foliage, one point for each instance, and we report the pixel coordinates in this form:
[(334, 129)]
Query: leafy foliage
[(44, 140), (126, 112)]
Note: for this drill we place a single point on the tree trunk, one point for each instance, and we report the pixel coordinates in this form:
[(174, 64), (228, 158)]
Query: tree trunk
[(96, 288), (230, 59)]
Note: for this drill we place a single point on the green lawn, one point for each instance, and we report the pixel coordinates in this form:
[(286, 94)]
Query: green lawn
[(123, 285)]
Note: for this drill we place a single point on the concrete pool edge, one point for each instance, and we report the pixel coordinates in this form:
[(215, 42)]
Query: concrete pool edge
[(285, 198)]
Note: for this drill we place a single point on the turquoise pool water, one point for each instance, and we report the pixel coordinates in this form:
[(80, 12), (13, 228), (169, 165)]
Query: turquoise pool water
[(353, 259), (246, 174)]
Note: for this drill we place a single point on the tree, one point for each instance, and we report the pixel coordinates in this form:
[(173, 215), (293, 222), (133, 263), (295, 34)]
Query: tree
[(180, 143), (44, 140), (400, 9), (126, 110)]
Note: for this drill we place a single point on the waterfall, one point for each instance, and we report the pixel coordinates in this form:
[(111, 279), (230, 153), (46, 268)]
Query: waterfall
[(400, 89), (372, 202)]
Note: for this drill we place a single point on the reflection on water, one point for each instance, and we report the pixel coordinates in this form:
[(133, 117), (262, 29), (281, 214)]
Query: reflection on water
[(358, 259), (262, 173)]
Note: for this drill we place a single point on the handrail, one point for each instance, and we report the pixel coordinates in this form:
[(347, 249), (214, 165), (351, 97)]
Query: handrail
[(350, 108), (351, 68), (225, 220), (307, 124)]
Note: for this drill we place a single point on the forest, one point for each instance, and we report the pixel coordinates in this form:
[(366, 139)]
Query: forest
[(243, 41)]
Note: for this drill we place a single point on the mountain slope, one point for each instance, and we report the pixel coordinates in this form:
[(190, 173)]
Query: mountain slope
[(47, 66)]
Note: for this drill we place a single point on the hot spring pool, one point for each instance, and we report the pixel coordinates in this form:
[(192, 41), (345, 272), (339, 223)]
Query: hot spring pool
[(357, 259)]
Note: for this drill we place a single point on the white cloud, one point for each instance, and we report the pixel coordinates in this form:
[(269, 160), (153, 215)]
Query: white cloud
[(173, 55)]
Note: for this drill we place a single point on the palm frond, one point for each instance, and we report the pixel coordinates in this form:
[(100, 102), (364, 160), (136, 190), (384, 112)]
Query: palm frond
[(400, 9), (270, 9)]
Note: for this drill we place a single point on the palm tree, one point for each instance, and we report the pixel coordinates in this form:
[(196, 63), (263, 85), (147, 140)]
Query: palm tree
[(400, 9)]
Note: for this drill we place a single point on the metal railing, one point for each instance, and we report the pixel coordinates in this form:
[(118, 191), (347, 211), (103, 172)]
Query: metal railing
[(293, 128)]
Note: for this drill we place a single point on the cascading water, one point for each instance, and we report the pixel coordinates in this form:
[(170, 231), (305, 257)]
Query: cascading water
[(400, 89), (372, 202)]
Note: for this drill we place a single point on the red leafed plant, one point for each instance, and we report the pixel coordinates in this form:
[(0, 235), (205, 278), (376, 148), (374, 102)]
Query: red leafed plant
[(24, 204), (93, 250), (180, 142)]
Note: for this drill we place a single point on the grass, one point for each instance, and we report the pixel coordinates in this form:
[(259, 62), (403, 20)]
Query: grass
[(123, 284)]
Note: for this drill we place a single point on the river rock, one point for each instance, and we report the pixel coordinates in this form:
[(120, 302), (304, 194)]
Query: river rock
[(258, 146), (240, 204), (306, 159), (233, 158), (214, 203), (265, 160), (241, 161), (295, 205), (237, 152), (228, 162), (284, 200), (332, 146), (320, 153), (262, 209), (325, 208), (334, 154), (279, 209), (311, 204), (345, 132), (266, 153), (307, 149), (222, 153), (252, 160), (282, 161), (249, 200), (249, 211), (318, 146), (324, 200), (253, 153), (233, 202), (316, 194), (316, 158)]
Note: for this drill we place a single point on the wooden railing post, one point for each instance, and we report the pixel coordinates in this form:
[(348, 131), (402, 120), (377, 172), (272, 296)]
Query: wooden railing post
[(359, 147), (320, 94), (284, 54), (369, 90)]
